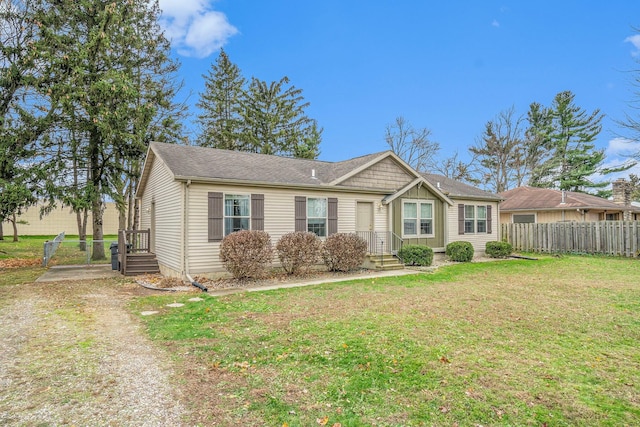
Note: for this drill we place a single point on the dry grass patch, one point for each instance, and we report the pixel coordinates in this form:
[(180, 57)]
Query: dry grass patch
[(507, 343)]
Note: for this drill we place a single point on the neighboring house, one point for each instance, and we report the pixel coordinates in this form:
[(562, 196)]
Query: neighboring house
[(544, 205), (58, 220), (191, 197)]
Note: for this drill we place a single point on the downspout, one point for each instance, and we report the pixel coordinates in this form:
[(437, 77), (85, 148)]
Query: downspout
[(185, 228), (185, 238), (445, 208)]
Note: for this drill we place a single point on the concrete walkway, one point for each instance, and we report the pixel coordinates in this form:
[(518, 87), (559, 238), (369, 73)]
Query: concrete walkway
[(60, 273)]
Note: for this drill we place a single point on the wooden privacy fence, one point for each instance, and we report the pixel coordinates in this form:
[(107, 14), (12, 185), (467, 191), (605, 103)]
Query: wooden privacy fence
[(619, 238)]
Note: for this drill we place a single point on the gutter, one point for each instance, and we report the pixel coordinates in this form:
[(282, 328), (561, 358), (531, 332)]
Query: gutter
[(316, 187)]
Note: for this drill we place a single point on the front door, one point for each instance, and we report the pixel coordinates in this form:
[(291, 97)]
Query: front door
[(364, 223), (364, 218)]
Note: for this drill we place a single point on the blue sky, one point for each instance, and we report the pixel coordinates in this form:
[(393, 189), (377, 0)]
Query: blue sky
[(447, 66)]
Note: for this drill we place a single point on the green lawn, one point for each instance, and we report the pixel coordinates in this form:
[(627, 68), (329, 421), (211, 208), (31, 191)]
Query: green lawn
[(32, 247), (549, 342)]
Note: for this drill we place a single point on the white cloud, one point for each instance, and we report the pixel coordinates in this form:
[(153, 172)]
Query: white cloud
[(617, 154), (635, 41), (495, 23), (194, 28), (621, 147)]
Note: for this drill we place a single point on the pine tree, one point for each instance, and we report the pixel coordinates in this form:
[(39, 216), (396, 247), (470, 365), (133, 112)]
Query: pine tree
[(567, 132), (275, 121), (106, 57), (222, 104), (24, 113)]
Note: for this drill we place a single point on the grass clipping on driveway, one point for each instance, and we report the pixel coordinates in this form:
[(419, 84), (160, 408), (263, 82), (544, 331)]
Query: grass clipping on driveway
[(549, 342)]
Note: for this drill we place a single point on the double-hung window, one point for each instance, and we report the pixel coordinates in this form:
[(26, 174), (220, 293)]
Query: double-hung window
[(474, 219), (237, 212), (470, 219), (317, 216), (481, 212), (417, 218)]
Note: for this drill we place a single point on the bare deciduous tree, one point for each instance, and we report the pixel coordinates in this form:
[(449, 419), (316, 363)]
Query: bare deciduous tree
[(412, 145)]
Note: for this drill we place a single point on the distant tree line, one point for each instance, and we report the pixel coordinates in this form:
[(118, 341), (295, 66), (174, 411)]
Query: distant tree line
[(550, 147)]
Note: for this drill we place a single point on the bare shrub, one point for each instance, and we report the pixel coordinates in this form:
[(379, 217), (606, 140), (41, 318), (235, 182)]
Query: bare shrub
[(344, 252), (298, 251), (246, 253)]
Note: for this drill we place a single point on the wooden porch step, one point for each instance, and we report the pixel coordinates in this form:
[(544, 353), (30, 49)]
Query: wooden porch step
[(141, 264)]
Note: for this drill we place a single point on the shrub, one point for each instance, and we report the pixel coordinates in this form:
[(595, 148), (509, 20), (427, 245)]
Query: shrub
[(459, 251), (298, 251), (498, 249), (416, 255), (343, 252), (246, 253)]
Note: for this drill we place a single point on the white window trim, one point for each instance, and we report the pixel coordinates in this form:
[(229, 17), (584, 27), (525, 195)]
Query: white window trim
[(418, 228), (224, 211), (326, 216)]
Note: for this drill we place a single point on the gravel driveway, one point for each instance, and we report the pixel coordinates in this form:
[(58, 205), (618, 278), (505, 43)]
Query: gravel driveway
[(70, 354)]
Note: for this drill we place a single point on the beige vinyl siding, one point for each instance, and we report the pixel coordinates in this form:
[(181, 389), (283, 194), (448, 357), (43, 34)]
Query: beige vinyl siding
[(279, 218), (478, 240), (59, 220), (168, 198), (386, 174)]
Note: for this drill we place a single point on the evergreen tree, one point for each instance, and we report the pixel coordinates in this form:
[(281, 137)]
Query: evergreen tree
[(538, 147), (221, 104), (567, 132), (275, 121), (106, 57), (24, 113)]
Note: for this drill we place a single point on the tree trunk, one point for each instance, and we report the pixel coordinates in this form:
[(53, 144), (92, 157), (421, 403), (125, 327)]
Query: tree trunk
[(98, 244), (1, 232), (136, 214), (131, 204), (122, 218), (14, 221), (82, 228)]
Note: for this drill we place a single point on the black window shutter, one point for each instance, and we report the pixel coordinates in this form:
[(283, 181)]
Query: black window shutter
[(301, 213), (257, 211), (460, 218), (332, 216), (488, 219), (215, 217)]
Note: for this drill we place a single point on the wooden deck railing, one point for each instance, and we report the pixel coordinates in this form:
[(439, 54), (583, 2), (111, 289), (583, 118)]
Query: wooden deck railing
[(132, 242)]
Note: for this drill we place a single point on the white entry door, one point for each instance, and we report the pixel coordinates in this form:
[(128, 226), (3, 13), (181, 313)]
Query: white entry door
[(364, 216)]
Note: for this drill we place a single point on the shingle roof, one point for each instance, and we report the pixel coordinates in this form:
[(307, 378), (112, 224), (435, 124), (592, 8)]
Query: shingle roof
[(189, 162), (531, 198), (457, 189)]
